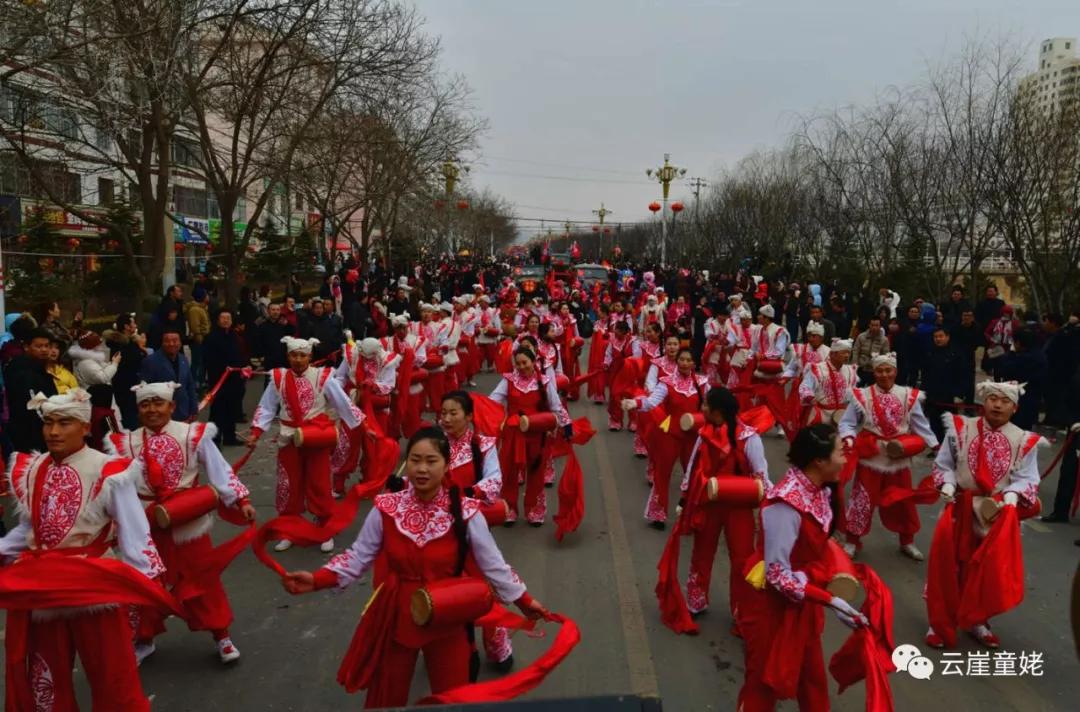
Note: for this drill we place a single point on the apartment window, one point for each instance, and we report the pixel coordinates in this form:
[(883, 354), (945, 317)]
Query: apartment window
[(190, 201), (1068, 45), (213, 210), (47, 179), (186, 153), (299, 202), (106, 191)]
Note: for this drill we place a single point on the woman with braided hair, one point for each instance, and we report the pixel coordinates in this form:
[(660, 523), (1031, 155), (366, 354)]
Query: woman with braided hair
[(527, 390), (422, 546), (680, 393)]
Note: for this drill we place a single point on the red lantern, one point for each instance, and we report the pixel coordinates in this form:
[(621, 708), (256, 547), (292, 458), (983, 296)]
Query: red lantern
[(178, 247), (440, 204), (73, 243), (112, 245), (676, 207), (209, 249), (607, 230), (654, 206), (24, 239), (596, 228), (462, 205)]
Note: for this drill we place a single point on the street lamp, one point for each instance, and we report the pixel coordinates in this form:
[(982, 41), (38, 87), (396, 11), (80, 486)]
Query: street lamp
[(664, 175), (451, 171), (601, 213)]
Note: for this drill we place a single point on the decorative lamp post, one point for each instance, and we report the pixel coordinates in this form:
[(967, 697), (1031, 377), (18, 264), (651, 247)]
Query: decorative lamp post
[(664, 175), (451, 171), (601, 213)]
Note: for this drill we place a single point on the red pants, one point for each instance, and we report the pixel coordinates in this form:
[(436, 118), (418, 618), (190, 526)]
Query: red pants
[(738, 528), (663, 463), (869, 486), (765, 622), (411, 422), (488, 352), (208, 611), (435, 386), (447, 662), (535, 497), (103, 642), (304, 481)]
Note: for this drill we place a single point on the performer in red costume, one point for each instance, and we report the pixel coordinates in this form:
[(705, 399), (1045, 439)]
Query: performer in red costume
[(782, 622), (825, 389), (177, 450), (371, 372), (740, 345), (426, 532), (487, 331), (620, 347), (715, 359), (408, 398), (976, 562), (680, 393), (727, 446), (310, 399), (74, 502), (660, 366), (527, 391), (474, 469), (874, 420)]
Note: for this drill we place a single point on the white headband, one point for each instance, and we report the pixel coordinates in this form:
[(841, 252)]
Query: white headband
[(841, 345), (767, 311), (370, 348), (888, 359), (146, 391), (1009, 389), (73, 404), (304, 346), (815, 328), (447, 307), (399, 320)]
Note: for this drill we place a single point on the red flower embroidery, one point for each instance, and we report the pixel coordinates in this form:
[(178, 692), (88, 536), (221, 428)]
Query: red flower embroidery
[(164, 448), (61, 502)]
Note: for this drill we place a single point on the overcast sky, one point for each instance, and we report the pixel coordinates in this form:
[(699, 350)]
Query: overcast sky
[(584, 95)]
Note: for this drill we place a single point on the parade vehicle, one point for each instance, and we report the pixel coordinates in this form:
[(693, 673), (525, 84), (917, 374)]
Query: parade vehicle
[(589, 274), (530, 280)]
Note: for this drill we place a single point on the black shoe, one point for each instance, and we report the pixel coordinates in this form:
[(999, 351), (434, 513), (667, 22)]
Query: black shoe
[(1054, 518), (659, 526), (504, 666), (549, 485), (536, 525), (640, 456), (509, 523)]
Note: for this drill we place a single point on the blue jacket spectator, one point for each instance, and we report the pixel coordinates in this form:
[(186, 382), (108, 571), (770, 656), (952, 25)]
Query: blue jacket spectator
[(169, 364)]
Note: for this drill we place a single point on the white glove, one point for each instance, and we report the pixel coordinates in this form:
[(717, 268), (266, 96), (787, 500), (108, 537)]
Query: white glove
[(629, 404), (948, 490), (1074, 428), (847, 614), (678, 511), (1010, 499), (849, 443)]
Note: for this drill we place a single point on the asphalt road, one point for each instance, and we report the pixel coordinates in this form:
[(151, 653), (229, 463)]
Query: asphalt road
[(603, 576)]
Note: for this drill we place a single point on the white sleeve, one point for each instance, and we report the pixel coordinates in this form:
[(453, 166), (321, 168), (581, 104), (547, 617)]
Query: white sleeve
[(340, 402), (108, 371), (1025, 479), (554, 402), (782, 341), (684, 486), (508, 587), (489, 487), (849, 422), (652, 378), (133, 530), (609, 354), (354, 562), (656, 397), (267, 409), (386, 378), (920, 425), (220, 473), (944, 469), (420, 354), (499, 395), (759, 466), (14, 542), (780, 524), (635, 348), (343, 372), (453, 336), (808, 385)]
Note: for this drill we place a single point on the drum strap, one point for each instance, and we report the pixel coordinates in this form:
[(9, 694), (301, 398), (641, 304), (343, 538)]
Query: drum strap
[(981, 472)]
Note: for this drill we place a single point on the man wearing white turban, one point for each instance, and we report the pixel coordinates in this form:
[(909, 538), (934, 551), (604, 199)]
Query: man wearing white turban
[(173, 451), (78, 502), (310, 400), (985, 463), (769, 343), (884, 426), (826, 386)]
